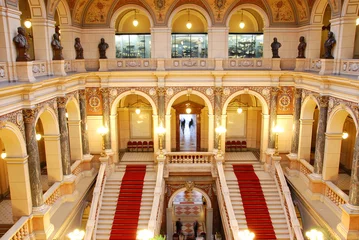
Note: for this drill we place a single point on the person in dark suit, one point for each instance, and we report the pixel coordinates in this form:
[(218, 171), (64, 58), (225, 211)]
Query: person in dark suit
[(178, 226), (195, 228)]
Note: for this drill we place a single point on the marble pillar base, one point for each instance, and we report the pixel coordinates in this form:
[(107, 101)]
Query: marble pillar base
[(41, 223), (276, 64), (103, 65), (299, 64), (218, 64), (24, 72), (327, 66), (59, 67), (80, 65)]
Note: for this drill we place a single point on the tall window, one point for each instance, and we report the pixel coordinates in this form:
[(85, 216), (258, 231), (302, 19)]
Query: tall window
[(189, 45), (245, 45), (133, 46)]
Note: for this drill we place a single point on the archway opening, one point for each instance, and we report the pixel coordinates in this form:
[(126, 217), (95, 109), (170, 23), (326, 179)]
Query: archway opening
[(189, 34), (325, 29), (314, 135), (133, 34), (4, 179), (135, 124), (42, 156), (245, 39), (356, 42), (73, 119), (25, 18), (189, 124), (244, 124)]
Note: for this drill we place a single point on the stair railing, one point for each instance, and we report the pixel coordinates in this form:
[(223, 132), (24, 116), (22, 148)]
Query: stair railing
[(22, 229), (291, 216), (157, 206), (96, 202), (224, 201)]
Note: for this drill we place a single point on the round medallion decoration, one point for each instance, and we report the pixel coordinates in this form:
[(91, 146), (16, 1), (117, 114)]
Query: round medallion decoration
[(169, 92), (209, 91), (113, 92), (331, 103), (265, 91), (19, 119), (94, 102), (226, 91), (284, 102), (152, 91)]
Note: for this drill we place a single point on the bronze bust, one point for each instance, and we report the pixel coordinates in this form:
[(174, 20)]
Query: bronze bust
[(79, 49), (102, 47), (275, 47), (328, 46), (56, 47), (301, 47), (22, 45)]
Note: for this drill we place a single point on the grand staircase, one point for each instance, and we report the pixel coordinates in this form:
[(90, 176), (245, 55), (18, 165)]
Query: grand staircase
[(111, 197), (271, 195)]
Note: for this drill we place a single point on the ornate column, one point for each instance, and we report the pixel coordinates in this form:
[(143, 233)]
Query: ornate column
[(34, 159), (106, 116), (354, 182), (64, 136), (320, 141), (161, 91), (296, 122), (83, 112), (272, 116), (217, 112)]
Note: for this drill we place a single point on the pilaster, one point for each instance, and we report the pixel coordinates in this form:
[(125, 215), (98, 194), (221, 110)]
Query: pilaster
[(83, 113), (106, 116), (64, 136), (273, 116), (320, 141), (296, 123)]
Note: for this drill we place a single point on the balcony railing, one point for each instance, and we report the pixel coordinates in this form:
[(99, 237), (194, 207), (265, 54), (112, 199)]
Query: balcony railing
[(22, 229), (189, 157)]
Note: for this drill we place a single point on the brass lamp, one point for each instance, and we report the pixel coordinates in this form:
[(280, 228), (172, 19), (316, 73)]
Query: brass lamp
[(103, 131)]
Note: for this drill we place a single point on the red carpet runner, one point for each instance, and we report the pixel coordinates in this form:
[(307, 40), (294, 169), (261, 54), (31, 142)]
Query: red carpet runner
[(125, 222), (254, 203)]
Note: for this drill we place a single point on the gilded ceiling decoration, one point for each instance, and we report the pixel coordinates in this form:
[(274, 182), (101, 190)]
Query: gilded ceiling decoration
[(281, 10), (98, 12), (302, 10)]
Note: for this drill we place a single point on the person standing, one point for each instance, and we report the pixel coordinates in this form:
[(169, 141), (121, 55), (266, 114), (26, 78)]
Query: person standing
[(178, 226), (195, 228)]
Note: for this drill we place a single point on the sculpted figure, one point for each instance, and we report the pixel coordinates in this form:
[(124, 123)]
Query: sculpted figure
[(56, 47), (102, 47), (22, 45), (301, 47), (275, 46), (328, 46), (79, 49)]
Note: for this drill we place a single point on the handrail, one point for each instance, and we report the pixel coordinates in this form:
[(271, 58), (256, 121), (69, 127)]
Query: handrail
[(153, 224), (100, 183), (52, 194), (20, 230), (223, 210), (224, 191), (296, 232), (189, 157)]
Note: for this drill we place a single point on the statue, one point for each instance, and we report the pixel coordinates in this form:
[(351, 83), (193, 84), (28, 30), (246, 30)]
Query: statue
[(328, 45), (22, 45), (56, 47), (79, 49), (301, 47), (275, 46), (102, 47)]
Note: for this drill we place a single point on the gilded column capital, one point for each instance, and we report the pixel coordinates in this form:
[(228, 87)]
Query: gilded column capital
[(218, 91), (323, 101), (105, 91), (29, 115), (61, 102), (275, 91), (161, 91), (298, 93), (82, 94)]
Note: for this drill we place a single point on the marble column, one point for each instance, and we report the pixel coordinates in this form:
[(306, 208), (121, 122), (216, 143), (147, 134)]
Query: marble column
[(34, 158), (296, 122), (273, 116), (161, 91), (354, 182), (320, 141), (217, 112), (64, 136), (106, 116), (83, 112)]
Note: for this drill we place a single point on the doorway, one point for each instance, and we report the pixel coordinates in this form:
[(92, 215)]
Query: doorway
[(188, 132)]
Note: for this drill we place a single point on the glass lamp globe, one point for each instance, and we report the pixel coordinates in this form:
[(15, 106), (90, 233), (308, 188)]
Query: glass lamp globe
[(3, 155), (138, 111), (239, 110), (189, 25), (135, 22), (188, 110), (242, 25), (27, 24)]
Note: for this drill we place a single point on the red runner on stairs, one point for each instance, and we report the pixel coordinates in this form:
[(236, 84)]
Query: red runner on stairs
[(125, 221), (254, 204)]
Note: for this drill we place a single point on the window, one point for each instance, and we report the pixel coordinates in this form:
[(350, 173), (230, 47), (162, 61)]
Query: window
[(245, 45), (133, 46), (189, 45)]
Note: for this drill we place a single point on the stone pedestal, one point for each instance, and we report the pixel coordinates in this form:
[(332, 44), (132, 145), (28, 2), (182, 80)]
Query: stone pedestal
[(293, 161), (24, 72), (41, 222), (218, 64), (103, 65), (315, 187), (104, 159), (299, 64), (80, 65), (276, 64), (349, 226), (327, 66), (160, 65), (59, 67), (268, 159)]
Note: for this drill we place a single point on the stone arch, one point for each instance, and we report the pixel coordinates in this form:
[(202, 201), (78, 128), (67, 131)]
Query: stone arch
[(49, 120), (74, 128), (333, 140), (73, 109), (316, 16), (201, 95), (208, 199), (38, 9), (258, 9), (190, 6), (308, 106), (13, 140), (265, 108), (350, 8), (63, 11), (118, 12), (140, 93)]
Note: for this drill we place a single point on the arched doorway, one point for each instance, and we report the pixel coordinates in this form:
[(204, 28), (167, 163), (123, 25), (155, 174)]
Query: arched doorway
[(74, 128)]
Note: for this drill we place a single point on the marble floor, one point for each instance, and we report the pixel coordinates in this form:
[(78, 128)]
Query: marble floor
[(188, 133), (6, 212)]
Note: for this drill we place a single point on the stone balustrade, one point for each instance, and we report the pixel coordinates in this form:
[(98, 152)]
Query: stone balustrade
[(53, 194), (335, 195), (22, 229), (315, 64), (4, 76), (40, 68), (246, 63), (189, 158), (349, 66)]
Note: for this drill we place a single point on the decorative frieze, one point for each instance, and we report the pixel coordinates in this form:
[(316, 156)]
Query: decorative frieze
[(16, 118), (116, 91), (263, 91), (334, 102), (285, 100), (94, 101), (52, 103)]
